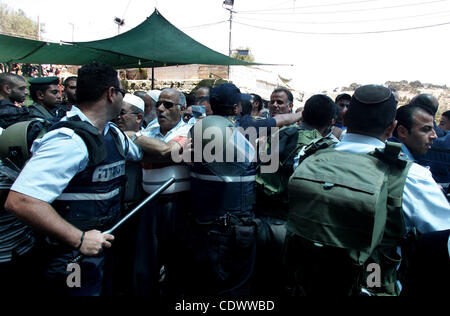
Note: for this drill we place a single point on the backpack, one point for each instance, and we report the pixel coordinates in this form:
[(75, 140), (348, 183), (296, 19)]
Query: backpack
[(345, 212), (272, 187), (291, 140)]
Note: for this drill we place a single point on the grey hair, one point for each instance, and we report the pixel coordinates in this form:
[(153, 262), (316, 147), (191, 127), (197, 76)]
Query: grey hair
[(181, 97)]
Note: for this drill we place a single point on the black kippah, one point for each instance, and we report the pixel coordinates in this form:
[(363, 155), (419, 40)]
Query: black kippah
[(372, 94)]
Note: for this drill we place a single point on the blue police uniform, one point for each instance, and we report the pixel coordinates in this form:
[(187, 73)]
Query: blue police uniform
[(223, 239), (86, 195), (438, 159)]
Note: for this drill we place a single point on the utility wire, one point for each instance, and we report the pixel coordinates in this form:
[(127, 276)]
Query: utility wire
[(348, 21), (309, 6), (354, 10), (272, 7), (126, 9), (203, 25), (345, 33)]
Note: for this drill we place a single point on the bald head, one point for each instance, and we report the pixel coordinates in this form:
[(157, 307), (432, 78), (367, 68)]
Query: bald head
[(12, 87), (168, 109)]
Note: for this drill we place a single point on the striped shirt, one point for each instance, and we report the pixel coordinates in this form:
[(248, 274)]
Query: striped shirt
[(155, 174), (14, 235)]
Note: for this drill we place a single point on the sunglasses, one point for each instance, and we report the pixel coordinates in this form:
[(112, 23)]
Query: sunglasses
[(167, 104)]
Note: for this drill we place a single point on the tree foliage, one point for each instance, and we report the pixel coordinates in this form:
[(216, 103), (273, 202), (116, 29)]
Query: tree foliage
[(248, 58), (16, 23)]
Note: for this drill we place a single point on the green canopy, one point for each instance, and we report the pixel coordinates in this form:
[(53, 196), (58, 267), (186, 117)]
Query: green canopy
[(157, 39), (153, 43), (20, 50)]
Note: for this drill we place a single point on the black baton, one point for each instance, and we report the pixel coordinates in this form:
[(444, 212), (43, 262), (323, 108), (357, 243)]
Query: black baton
[(168, 183)]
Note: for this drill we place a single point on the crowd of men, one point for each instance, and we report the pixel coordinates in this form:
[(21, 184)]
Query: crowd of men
[(308, 206)]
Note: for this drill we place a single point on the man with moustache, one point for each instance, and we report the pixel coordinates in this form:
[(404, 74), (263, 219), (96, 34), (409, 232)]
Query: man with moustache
[(162, 223), (414, 130), (437, 158), (131, 115), (69, 96), (130, 118), (46, 95), (16, 238), (13, 91), (280, 110)]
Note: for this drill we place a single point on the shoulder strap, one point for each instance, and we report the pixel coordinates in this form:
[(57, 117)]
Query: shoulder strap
[(115, 131), (390, 154), (90, 135), (287, 141), (322, 143), (389, 226), (304, 138)]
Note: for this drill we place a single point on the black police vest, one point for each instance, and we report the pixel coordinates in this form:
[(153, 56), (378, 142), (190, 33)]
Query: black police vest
[(233, 191), (92, 200), (230, 189)]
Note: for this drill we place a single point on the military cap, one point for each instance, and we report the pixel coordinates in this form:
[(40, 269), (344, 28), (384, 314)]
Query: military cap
[(44, 81), (225, 95)]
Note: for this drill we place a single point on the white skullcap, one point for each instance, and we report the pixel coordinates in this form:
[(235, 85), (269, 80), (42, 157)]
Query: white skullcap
[(134, 100), (154, 94)]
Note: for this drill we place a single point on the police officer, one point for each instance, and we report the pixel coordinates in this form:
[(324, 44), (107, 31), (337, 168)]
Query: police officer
[(46, 96), (72, 186), (222, 243), (437, 158)]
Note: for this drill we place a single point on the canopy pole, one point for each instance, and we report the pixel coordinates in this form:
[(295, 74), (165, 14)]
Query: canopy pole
[(229, 39), (153, 78)]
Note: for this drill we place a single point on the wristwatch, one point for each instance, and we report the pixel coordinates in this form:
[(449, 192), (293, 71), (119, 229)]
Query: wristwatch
[(136, 136)]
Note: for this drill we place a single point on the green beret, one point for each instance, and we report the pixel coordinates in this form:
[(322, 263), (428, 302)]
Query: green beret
[(44, 81)]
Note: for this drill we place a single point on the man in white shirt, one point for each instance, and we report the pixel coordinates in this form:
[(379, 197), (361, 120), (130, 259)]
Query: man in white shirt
[(71, 188), (162, 223)]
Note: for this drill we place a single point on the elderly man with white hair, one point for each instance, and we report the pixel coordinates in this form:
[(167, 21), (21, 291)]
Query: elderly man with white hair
[(131, 115), (130, 120), (162, 223)]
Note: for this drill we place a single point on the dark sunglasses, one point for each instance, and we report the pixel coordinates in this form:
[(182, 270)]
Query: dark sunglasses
[(166, 104)]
